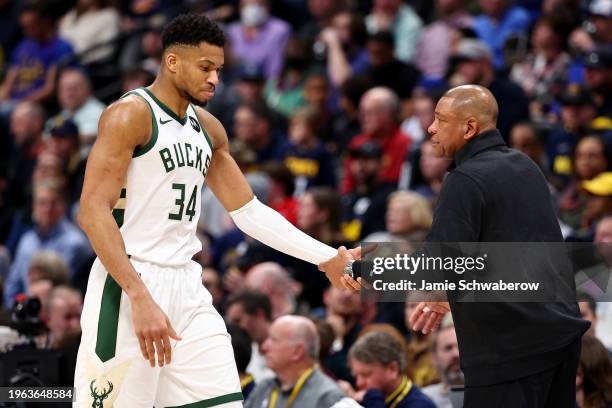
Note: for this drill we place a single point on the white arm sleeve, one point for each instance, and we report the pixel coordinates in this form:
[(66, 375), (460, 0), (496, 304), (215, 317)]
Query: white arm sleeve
[(268, 226)]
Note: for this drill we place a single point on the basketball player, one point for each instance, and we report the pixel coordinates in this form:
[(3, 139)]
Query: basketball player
[(140, 207)]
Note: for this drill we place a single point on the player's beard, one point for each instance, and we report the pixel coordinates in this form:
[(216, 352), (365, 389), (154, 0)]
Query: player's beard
[(197, 102)]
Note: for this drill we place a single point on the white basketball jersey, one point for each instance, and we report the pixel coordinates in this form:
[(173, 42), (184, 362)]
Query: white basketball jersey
[(160, 203)]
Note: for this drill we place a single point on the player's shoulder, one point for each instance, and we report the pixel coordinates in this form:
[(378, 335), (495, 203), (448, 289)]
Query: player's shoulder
[(130, 117), (128, 109), (213, 126)]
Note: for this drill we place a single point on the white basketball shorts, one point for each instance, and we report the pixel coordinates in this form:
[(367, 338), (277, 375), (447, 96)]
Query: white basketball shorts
[(110, 369)]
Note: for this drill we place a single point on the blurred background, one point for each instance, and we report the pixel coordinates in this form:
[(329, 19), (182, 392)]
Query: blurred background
[(327, 105)]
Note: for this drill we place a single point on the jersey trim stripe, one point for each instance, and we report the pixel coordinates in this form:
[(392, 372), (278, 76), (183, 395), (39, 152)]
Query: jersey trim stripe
[(211, 402), (139, 151), (108, 320), (165, 108), (195, 112)]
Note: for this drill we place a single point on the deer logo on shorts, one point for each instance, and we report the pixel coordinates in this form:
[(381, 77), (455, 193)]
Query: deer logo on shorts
[(98, 399)]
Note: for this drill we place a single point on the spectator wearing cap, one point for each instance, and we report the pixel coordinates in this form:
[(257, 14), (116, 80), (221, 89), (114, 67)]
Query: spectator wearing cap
[(259, 38), (434, 45), (378, 115), (74, 94), (472, 63), (364, 207), (544, 67), (378, 362), (52, 231), (600, 24), (577, 114), (89, 24), (500, 21), (64, 142), (599, 189), (591, 158), (402, 21), (306, 156), (601, 16), (598, 78), (384, 69)]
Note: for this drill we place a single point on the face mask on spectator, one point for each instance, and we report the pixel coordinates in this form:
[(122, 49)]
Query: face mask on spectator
[(253, 15)]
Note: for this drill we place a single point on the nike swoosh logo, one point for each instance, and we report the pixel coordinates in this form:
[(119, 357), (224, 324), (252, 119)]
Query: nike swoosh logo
[(163, 122)]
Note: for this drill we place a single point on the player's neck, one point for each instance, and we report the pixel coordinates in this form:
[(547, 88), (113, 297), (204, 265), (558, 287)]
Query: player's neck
[(169, 96)]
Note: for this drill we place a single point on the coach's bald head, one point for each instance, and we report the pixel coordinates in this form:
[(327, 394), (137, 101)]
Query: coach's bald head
[(476, 101), (461, 114)]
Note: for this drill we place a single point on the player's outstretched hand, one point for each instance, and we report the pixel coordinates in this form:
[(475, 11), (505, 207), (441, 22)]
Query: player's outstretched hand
[(428, 315), (334, 267), (154, 330)]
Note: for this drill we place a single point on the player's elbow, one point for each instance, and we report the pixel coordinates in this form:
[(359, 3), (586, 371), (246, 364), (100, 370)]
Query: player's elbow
[(86, 214)]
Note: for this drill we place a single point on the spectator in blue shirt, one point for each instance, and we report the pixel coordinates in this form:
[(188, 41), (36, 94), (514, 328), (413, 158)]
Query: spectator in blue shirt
[(52, 232), (35, 60), (378, 362), (306, 156), (500, 20)]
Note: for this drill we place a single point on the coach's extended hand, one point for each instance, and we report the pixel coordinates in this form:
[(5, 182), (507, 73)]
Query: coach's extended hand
[(428, 315), (153, 329)]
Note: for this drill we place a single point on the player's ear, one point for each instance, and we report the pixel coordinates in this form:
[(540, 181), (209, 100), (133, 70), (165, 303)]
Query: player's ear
[(171, 61)]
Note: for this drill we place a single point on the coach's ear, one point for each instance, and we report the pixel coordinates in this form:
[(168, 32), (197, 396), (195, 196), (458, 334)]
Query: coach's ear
[(471, 128)]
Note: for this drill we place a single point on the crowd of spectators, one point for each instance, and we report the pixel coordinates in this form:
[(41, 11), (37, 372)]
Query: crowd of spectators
[(327, 105)]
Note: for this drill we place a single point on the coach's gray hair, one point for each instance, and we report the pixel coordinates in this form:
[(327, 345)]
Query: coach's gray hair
[(379, 348)]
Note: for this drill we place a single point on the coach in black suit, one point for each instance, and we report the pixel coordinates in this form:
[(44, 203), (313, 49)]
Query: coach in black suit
[(512, 354)]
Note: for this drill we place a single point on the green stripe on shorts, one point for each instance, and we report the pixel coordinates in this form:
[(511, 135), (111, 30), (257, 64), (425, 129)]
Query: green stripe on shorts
[(211, 402), (108, 321)]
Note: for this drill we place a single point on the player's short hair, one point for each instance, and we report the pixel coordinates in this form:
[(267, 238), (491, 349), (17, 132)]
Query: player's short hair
[(192, 29), (252, 301)]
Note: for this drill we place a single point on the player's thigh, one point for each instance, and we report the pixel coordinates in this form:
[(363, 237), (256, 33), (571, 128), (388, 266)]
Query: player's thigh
[(110, 368), (202, 368)]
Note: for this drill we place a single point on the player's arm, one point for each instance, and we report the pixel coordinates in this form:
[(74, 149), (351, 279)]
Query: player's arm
[(125, 125), (254, 218)]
